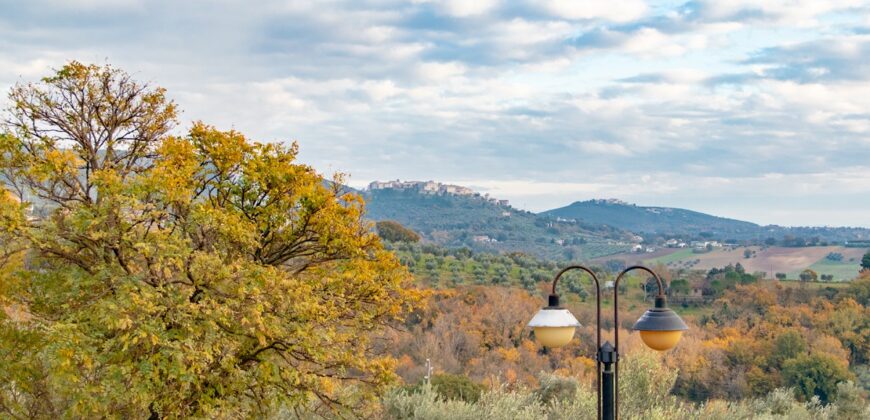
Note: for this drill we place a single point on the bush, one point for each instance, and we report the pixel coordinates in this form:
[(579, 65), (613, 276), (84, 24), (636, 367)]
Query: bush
[(645, 385), (456, 387), (555, 388)]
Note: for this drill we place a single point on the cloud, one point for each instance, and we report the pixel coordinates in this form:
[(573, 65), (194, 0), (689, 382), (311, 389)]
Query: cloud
[(616, 11), (841, 58), (701, 104), (604, 148)]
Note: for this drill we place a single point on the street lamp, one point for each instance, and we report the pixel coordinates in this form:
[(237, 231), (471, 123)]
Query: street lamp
[(660, 329)]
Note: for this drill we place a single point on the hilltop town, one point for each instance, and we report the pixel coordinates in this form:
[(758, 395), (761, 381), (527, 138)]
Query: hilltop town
[(433, 188)]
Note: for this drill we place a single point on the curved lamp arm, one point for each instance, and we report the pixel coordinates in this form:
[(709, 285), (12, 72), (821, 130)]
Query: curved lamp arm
[(554, 301), (554, 298), (659, 297)]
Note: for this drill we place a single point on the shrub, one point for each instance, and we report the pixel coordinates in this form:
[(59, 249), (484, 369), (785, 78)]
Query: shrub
[(456, 387)]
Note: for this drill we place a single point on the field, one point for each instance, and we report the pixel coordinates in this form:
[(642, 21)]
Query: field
[(769, 260)]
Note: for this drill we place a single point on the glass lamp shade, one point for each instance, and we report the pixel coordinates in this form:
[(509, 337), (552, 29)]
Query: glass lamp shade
[(554, 326), (661, 340), (660, 328)]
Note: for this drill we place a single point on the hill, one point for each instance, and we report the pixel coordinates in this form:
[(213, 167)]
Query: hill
[(688, 224), (656, 220), (467, 219), (455, 216)]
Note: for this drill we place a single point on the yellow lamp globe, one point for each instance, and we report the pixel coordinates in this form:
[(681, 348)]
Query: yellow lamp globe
[(554, 326), (660, 327), (661, 340)]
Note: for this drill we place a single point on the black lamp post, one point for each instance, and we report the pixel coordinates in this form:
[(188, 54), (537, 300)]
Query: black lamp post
[(660, 329)]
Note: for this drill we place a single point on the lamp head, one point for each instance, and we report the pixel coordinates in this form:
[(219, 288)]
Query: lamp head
[(554, 326), (660, 327)]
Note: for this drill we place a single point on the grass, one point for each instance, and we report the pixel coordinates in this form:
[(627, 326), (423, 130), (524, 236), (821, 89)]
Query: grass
[(683, 254), (842, 270), (815, 284)]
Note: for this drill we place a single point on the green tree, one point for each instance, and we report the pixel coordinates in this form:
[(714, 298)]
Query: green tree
[(390, 230), (202, 275), (787, 345), (865, 261), (815, 374), (679, 286)]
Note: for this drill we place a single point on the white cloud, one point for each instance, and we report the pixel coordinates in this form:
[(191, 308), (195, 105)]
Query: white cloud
[(463, 8), (613, 10), (801, 13), (603, 148), (726, 102), (436, 71)]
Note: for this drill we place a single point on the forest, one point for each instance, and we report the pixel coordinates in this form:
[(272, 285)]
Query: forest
[(749, 337), (195, 273)]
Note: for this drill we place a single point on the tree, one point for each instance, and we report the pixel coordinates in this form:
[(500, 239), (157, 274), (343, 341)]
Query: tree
[(788, 345), (679, 286), (202, 275), (614, 265), (808, 275), (859, 289), (865, 262), (780, 276), (390, 230), (815, 374)]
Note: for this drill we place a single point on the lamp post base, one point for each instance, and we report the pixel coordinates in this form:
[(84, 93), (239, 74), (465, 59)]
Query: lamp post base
[(607, 355)]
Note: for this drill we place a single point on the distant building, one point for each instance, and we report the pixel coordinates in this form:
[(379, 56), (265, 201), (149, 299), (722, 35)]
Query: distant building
[(427, 187), (431, 187), (483, 239)]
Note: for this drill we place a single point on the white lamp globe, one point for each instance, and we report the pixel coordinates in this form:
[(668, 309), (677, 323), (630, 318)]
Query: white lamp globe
[(554, 326)]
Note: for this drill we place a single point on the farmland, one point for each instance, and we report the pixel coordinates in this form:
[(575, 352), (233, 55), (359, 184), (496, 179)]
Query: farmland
[(769, 260)]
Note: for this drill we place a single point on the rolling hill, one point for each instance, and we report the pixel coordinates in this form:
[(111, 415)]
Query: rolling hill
[(595, 230), (657, 220), (485, 224), (675, 222)]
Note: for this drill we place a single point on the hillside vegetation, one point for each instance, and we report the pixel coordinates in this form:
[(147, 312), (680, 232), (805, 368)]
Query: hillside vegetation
[(654, 219), (688, 224), (476, 223)]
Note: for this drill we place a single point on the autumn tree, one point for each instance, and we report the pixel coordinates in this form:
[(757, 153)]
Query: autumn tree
[(201, 275), (390, 230)]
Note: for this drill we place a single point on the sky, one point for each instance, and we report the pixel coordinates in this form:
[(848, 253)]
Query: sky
[(750, 109)]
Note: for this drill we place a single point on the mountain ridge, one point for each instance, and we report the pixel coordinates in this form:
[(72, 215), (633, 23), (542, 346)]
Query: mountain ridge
[(434, 207)]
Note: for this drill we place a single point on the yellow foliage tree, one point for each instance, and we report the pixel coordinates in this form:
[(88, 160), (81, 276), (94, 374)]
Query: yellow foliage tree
[(201, 275)]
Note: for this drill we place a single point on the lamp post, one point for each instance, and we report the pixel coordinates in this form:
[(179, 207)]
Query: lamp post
[(660, 329)]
